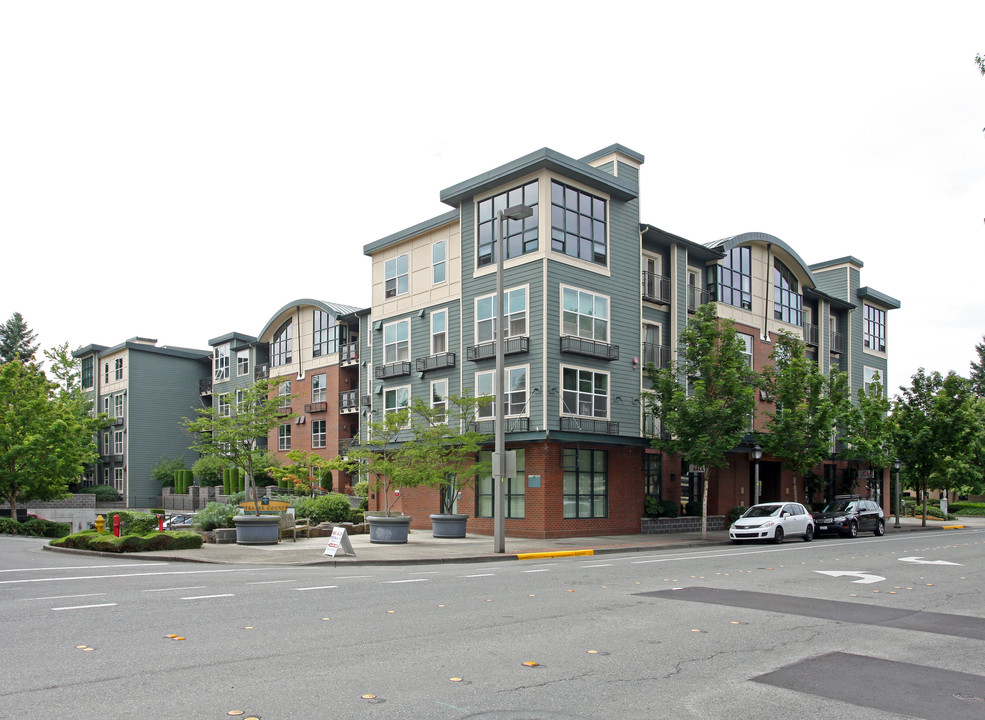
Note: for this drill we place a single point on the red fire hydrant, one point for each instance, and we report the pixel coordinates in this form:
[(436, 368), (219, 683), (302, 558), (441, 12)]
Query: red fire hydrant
[(160, 523), (116, 525)]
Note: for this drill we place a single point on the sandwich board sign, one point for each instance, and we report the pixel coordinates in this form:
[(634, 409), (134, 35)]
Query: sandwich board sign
[(339, 539)]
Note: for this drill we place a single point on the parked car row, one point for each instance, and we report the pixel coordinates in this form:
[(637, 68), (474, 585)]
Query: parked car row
[(846, 515)]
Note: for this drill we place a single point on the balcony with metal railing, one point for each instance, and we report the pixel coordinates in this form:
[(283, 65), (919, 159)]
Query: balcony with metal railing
[(696, 297), (510, 425), (659, 355), (317, 406), (487, 350), (589, 425), (837, 342), (589, 348), (349, 353), (811, 334), (438, 361), (205, 386), (349, 401), (392, 370), (656, 288)]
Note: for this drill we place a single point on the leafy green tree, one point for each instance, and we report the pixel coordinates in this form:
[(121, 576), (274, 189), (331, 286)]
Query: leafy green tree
[(867, 429), (44, 441), (234, 436), (978, 370), (208, 469), (16, 340), (705, 400), (808, 407), (938, 431), (163, 471)]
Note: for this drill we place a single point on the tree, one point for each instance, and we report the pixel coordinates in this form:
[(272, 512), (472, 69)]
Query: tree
[(234, 436), (705, 400), (15, 340), (808, 407), (867, 431), (45, 441), (978, 370), (938, 426), (302, 473), (208, 469), (980, 62), (163, 471)]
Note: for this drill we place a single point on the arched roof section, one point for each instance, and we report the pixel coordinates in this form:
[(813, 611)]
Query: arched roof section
[(333, 309), (728, 243)]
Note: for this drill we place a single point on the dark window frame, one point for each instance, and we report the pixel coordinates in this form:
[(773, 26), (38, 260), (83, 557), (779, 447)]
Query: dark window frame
[(577, 217), (519, 236), (573, 461)]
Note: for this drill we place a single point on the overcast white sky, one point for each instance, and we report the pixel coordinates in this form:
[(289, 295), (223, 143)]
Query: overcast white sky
[(178, 170)]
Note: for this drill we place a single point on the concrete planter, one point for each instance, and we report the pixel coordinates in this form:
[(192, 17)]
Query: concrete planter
[(257, 530), (393, 529), (448, 526)]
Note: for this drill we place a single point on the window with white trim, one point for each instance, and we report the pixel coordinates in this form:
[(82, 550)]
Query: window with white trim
[(585, 393), (584, 314), (396, 276), (396, 399), (746, 342), (874, 329), (224, 408), (105, 443), (438, 250), (515, 315), (578, 223), (282, 347), (519, 236), (284, 392), (318, 434), (87, 372), (319, 388), (220, 363), (871, 375), (118, 479), (396, 341), (439, 331), (118, 442), (284, 437), (439, 398), (515, 396), (242, 362), (324, 335), (240, 401), (118, 405), (118, 366), (106, 401)]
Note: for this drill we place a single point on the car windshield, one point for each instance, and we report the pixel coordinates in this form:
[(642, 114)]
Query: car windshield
[(839, 506), (763, 511)]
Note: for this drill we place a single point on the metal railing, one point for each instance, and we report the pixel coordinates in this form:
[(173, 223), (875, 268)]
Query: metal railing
[(349, 352), (810, 334), (656, 288), (589, 425), (837, 342), (696, 297), (659, 355), (589, 348), (391, 370), (486, 351), (349, 401), (436, 362)]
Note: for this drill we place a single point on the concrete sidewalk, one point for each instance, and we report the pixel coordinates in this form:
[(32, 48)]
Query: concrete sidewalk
[(422, 548)]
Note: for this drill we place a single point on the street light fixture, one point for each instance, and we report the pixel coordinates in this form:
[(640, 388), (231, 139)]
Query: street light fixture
[(757, 454), (897, 464), (516, 212)]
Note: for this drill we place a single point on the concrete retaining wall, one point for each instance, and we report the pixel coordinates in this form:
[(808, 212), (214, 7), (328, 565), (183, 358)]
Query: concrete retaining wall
[(655, 526)]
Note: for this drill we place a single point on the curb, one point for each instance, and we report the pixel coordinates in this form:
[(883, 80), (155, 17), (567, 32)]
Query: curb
[(552, 554)]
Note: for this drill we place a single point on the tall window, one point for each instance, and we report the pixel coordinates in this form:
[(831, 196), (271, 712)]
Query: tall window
[(220, 362), (106, 443), (118, 367), (87, 372), (439, 331), (323, 334), (106, 401), (224, 408), (118, 442), (240, 401), (515, 400), (485, 489), (577, 223), (519, 236), (319, 388), (396, 276), (396, 341), (118, 479), (787, 302), (439, 398), (284, 437), (283, 345), (735, 278), (118, 401), (515, 311), (652, 472), (584, 315), (586, 483), (242, 362), (746, 341), (284, 392), (585, 393), (105, 372), (438, 262), (871, 375), (318, 435), (396, 399), (874, 331)]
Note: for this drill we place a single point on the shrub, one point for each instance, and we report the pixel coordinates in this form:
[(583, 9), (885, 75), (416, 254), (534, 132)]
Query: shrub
[(358, 518), (652, 507), (208, 469), (9, 526), (967, 508), (107, 542), (163, 471), (105, 493), (45, 528), (693, 508), (735, 512), (133, 523), (333, 508), (215, 515), (361, 489), (236, 498)]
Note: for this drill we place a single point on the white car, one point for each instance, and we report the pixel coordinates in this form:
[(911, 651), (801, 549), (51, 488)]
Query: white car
[(773, 521)]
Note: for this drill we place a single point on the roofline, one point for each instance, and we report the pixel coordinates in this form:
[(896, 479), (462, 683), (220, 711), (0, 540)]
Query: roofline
[(90, 349), (230, 336), (702, 250), (548, 159), (407, 233), (867, 293), (831, 299), (188, 353), (614, 148), (730, 242), (848, 259), (333, 308)]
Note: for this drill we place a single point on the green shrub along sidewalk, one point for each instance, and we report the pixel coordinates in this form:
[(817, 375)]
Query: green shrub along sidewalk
[(35, 527), (108, 542)]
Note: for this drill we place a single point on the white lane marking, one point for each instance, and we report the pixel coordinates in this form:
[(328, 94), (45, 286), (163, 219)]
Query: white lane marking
[(425, 572), (79, 567), (920, 561), (122, 575), (543, 570), (320, 587), (270, 582), (83, 607), (478, 575), (59, 597), (352, 577), (397, 582), (207, 597), (864, 578), (598, 565), (187, 587)]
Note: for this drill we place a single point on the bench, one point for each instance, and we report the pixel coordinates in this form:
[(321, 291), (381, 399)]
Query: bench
[(291, 527)]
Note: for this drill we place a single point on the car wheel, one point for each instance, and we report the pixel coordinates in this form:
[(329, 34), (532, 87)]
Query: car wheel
[(853, 530), (880, 528), (809, 535), (778, 536)]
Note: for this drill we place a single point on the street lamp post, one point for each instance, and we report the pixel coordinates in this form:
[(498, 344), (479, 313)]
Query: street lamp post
[(896, 466), (757, 453), (517, 212)]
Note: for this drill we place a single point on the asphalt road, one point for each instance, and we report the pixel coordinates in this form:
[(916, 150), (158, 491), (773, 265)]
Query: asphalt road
[(725, 632)]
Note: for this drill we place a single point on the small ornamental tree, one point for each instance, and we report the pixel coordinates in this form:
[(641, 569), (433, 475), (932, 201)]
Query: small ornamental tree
[(705, 400), (234, 436), (808, 407), (301, 473)]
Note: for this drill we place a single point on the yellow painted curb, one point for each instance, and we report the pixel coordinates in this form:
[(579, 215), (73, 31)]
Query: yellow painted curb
[(553, 553), (952, 527)]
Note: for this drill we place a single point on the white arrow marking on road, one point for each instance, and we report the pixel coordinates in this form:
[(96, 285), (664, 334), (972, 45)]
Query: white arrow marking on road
[(921, 561), (864, 578)]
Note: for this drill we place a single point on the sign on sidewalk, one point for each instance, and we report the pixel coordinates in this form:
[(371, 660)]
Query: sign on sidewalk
[(339, 539)]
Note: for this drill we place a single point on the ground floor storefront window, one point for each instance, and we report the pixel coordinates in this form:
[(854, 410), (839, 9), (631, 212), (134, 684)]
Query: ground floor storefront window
[(586, 483), (485, 489)]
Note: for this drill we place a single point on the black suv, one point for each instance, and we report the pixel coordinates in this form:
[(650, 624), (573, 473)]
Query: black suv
[(846, 515)]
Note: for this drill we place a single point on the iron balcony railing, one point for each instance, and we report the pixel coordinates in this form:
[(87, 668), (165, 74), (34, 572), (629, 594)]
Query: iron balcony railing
[(589, 348), (486, 351), (349, 353), (392, 370), (837, 342), (589, 425), (205, 386), (510, 425), (436, 362), (656, 288), (313, 407), (696, 297), (810, 334), (349, 401), (659, 355)]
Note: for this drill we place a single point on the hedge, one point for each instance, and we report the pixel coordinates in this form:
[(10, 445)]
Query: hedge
[(107, 542), (35, 527)]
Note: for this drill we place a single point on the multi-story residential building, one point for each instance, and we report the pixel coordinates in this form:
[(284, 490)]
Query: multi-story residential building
[(147, 390), (591, 296)]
